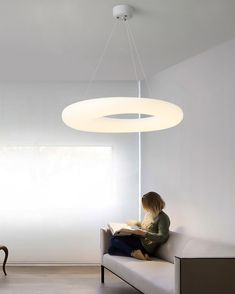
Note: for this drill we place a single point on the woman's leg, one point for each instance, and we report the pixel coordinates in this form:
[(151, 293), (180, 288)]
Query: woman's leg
[(138, 250), (119, 245), (126, 245)]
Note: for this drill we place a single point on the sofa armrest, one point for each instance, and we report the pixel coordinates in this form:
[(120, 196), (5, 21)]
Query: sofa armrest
[(204, 275), (105, 236)]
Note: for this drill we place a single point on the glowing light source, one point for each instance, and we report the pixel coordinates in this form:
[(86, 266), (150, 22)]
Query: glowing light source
[(91, 115)]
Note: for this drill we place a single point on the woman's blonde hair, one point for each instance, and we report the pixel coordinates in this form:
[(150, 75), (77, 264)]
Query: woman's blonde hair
[(153, 202)]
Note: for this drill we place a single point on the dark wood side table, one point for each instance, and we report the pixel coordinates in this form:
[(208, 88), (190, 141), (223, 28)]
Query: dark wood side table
[(4, 248)]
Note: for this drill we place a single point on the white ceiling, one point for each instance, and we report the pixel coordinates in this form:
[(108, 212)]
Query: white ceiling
[(63, 39)]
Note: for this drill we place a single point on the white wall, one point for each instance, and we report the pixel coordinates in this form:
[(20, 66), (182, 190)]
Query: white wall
[(30, 115), (193, 165)]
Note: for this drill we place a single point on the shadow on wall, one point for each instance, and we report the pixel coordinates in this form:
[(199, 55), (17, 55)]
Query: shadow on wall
[(181, 230)]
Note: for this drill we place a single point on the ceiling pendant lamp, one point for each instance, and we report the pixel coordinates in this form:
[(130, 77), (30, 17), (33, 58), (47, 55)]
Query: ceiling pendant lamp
[(95, 115)]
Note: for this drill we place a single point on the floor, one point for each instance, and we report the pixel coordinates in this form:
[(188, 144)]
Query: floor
[(61, 280)]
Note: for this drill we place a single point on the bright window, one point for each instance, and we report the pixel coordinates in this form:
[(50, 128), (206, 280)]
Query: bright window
[(54, 200)]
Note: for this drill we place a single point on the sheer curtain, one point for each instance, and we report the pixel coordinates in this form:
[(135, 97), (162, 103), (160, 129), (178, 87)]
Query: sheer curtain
[(55, 199)]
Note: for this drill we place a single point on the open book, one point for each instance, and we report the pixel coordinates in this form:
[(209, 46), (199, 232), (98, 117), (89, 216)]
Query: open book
[(120, 229)]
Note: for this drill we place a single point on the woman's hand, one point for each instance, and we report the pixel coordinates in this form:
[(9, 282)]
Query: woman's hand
[(139, 232), (132, 222)]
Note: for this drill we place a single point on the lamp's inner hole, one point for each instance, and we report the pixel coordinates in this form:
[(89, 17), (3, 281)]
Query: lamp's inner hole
[(128, 115)]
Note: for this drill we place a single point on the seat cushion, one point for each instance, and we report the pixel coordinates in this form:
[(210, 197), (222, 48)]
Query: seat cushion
[(150, 277)]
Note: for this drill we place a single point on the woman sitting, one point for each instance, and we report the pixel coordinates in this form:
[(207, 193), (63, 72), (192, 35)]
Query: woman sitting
[(152, 232)]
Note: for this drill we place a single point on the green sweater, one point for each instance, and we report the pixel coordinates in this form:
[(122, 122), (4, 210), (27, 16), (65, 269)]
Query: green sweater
[(157, 233)]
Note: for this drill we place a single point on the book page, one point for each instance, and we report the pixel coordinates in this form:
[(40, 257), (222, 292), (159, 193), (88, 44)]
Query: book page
[(121, 228)]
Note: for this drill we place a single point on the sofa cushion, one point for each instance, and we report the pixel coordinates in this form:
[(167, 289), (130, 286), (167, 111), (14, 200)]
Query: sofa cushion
[(203, 248), (173, 247), (150, 277)]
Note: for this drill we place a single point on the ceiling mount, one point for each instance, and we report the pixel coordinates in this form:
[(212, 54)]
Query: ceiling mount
[(122, 12)]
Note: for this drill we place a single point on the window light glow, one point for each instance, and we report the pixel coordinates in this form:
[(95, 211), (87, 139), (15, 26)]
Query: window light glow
[(55, 197)]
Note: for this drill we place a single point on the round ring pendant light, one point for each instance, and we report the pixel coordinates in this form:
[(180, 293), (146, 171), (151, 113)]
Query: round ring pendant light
[(93, 115)]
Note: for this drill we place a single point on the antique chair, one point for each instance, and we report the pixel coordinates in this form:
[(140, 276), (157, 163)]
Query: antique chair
[(4, 248)]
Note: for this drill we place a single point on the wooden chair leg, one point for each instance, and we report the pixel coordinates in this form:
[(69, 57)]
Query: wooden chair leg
[(4, 248)]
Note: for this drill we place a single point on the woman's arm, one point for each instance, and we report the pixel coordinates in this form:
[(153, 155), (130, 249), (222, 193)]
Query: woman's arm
[(162, 230), (133, 222)]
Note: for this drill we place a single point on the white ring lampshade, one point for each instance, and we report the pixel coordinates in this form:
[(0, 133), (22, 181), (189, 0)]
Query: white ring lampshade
[(91, 115)]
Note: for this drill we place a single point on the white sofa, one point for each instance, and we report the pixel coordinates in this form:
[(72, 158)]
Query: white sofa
[(184, 265)]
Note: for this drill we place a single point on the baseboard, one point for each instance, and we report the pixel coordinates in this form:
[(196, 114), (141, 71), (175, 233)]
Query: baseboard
[(51, 264)]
